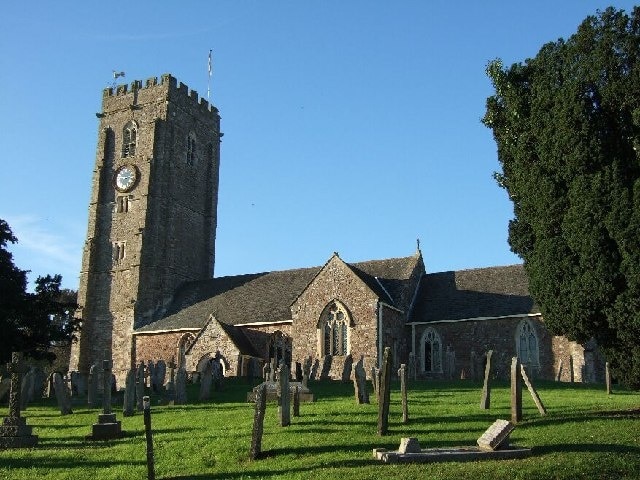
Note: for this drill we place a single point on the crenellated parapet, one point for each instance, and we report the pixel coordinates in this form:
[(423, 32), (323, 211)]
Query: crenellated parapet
[(168, 82)]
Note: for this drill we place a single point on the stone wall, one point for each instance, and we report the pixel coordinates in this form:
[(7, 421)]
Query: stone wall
[(213, 341), (157, 346)]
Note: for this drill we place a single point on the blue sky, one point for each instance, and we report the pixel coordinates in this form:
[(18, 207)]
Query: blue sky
[(350, 126)]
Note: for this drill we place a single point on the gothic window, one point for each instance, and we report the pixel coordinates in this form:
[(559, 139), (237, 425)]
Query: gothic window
[(431, 347), (334, 330), (119, 251), (191, 149), (122, 204), (129, 139), (527, 344), (183, 346)]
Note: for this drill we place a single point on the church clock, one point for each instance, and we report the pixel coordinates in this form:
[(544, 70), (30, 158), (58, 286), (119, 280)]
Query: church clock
[(126, 178)]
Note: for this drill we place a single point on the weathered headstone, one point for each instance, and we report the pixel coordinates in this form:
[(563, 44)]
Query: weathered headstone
[(140, 393), (559, 371), (385, 393), (306, 372), (412, 366), (107, 427), (298, 372), (62, 394), (375, 380), (170, 388), (296, 401), (360, 382), (273, 369), (607, 377), (258, 422), (473, 372), (160, 375), (326, 367), (151, 373), (485, 401), (409, 445), (92, 392), (266, 372), (516, 391), (571, 374), (129, 402), (206, 381), (284, 401), (346, 369), (314, 369), (14, 431), (5, 384), (217, 373), (27, 388), (450, 359), (251, 369), (78, 384), (181, 387), (496, 436), (402, 373), (533, 392)]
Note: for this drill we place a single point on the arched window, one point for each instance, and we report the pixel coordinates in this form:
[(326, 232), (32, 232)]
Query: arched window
[(431, 350), (184, 344), (129, 139), (334, 330), (527, 344)]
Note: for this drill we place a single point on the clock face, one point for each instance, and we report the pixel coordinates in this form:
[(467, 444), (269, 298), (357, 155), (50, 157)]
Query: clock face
[(126, 177)]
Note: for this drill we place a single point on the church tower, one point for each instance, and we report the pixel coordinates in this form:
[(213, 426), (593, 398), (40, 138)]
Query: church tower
[(152, 213)]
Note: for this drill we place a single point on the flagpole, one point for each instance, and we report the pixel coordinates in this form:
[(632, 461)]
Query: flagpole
[(209, 78)]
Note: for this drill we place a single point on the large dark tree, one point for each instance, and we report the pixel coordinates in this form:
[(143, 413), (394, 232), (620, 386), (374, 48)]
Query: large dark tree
[(567, 127), (31, 322)]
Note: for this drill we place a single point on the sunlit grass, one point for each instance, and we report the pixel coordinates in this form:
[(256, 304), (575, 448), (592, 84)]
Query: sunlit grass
[(586, 434)]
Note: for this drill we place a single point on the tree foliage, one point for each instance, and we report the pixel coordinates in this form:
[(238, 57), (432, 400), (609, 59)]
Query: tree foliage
[(31, 322), (567, 128)]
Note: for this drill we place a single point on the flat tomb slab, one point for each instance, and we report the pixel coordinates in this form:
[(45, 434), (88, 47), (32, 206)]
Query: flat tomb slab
[(453, 454)]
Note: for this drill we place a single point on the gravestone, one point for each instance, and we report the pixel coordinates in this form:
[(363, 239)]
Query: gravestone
[(181, 387), (450, 360), (516, 391), (140, 391), (496, 436), (571, 374), (473, 371), (607, 377), (346, 369), (314, 369), (258, 422), (273, 369), (402, 373), (360, 382), (151, 371), (14, 431), (375, 380), (39, 383), (27, 388), (298, 372), (559, 371), (107, 427), (78, 384), (217, 373), (206, 381), (284, 401), (485, 401), (532, 391), (170, 388), (129, 401), (5, 384), (160, 375), (266, 372), (412, 374), (251, 369), (296, 401), (62, 394), (49, 390), (92, 391), (326, 367), (385, 393), (306, 372), (409, 445)]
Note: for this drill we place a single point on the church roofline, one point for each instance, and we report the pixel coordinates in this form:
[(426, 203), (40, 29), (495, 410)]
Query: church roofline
[(169, 330), (476, 319)]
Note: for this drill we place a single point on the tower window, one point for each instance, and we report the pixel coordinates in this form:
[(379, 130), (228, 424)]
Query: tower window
[(119, 251), (334, 330), (122, 204), (129, 139), (191, 149)]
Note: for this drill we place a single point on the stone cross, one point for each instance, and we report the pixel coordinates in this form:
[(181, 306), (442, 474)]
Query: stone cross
[(485, 402), (14, 432), (516, 391), (16, 368), (258, 422), (402, 373), (384, 393), (106, 385)]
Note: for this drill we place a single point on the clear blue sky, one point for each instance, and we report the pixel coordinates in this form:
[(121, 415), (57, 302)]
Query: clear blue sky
[(350, 126)]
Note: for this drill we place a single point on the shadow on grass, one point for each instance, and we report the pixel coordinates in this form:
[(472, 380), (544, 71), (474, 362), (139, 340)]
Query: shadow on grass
[(585, 448)]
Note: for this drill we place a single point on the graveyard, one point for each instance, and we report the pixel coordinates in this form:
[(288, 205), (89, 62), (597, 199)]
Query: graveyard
[(584, 433)]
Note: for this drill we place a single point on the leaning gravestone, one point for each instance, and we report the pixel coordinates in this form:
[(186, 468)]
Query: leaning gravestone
[(284, 401), (360, 382), (62, 394), (385, 393), (181, 387), (533, 392), (258, 422), (346, 369), (485, 402), (129, 401), (14, 431), (496, 436), (205, 381), (92, 392)]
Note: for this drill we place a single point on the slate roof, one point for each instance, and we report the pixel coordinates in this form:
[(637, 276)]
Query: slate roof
[(477, 293), (265, 297)]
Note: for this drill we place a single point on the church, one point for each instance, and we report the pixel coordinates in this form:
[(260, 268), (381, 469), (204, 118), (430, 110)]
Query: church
[(147, 290)]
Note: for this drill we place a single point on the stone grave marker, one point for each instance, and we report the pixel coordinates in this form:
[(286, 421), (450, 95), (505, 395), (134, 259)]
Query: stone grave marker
[(14, 431), (306, 372), (140, 393), (181, 387), (273, 369), (107, 427), (412, 366), (170, 388), (62, 394), (532, 391), (346, 369), (27, 388), (450, 362), (284, 401), (217, 373), (314, 369), (205, 381), (296, 401), (496, 436), (92, 391), (409, 445), (485, 401), (473, 372), (326, 367), (385, 393), (129, 401), (607, 378), (360, 382), (402, 373), (298, 372), (375, 380), (160, 375), (266, 372), (516, 391), (559, 371), (5, 384), (258, 422)]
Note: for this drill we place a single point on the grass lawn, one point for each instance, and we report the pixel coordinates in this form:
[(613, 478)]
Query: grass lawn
[(586, 434)]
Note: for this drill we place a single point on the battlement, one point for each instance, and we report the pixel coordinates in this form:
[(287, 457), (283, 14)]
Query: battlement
[(167, 80)]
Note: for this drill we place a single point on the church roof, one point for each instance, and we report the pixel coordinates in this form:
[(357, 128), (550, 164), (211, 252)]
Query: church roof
[(478, 293), (266, 297)]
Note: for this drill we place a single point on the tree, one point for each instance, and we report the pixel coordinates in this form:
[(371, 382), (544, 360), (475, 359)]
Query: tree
[(567, 127), (31, 322)]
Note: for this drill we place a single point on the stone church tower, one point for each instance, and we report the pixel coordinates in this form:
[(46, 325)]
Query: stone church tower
[(152, 213)]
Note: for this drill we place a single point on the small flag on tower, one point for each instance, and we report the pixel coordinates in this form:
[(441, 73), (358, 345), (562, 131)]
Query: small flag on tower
[(209, 78)]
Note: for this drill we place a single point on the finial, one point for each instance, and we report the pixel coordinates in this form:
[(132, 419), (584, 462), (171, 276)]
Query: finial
[(418, 243)]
